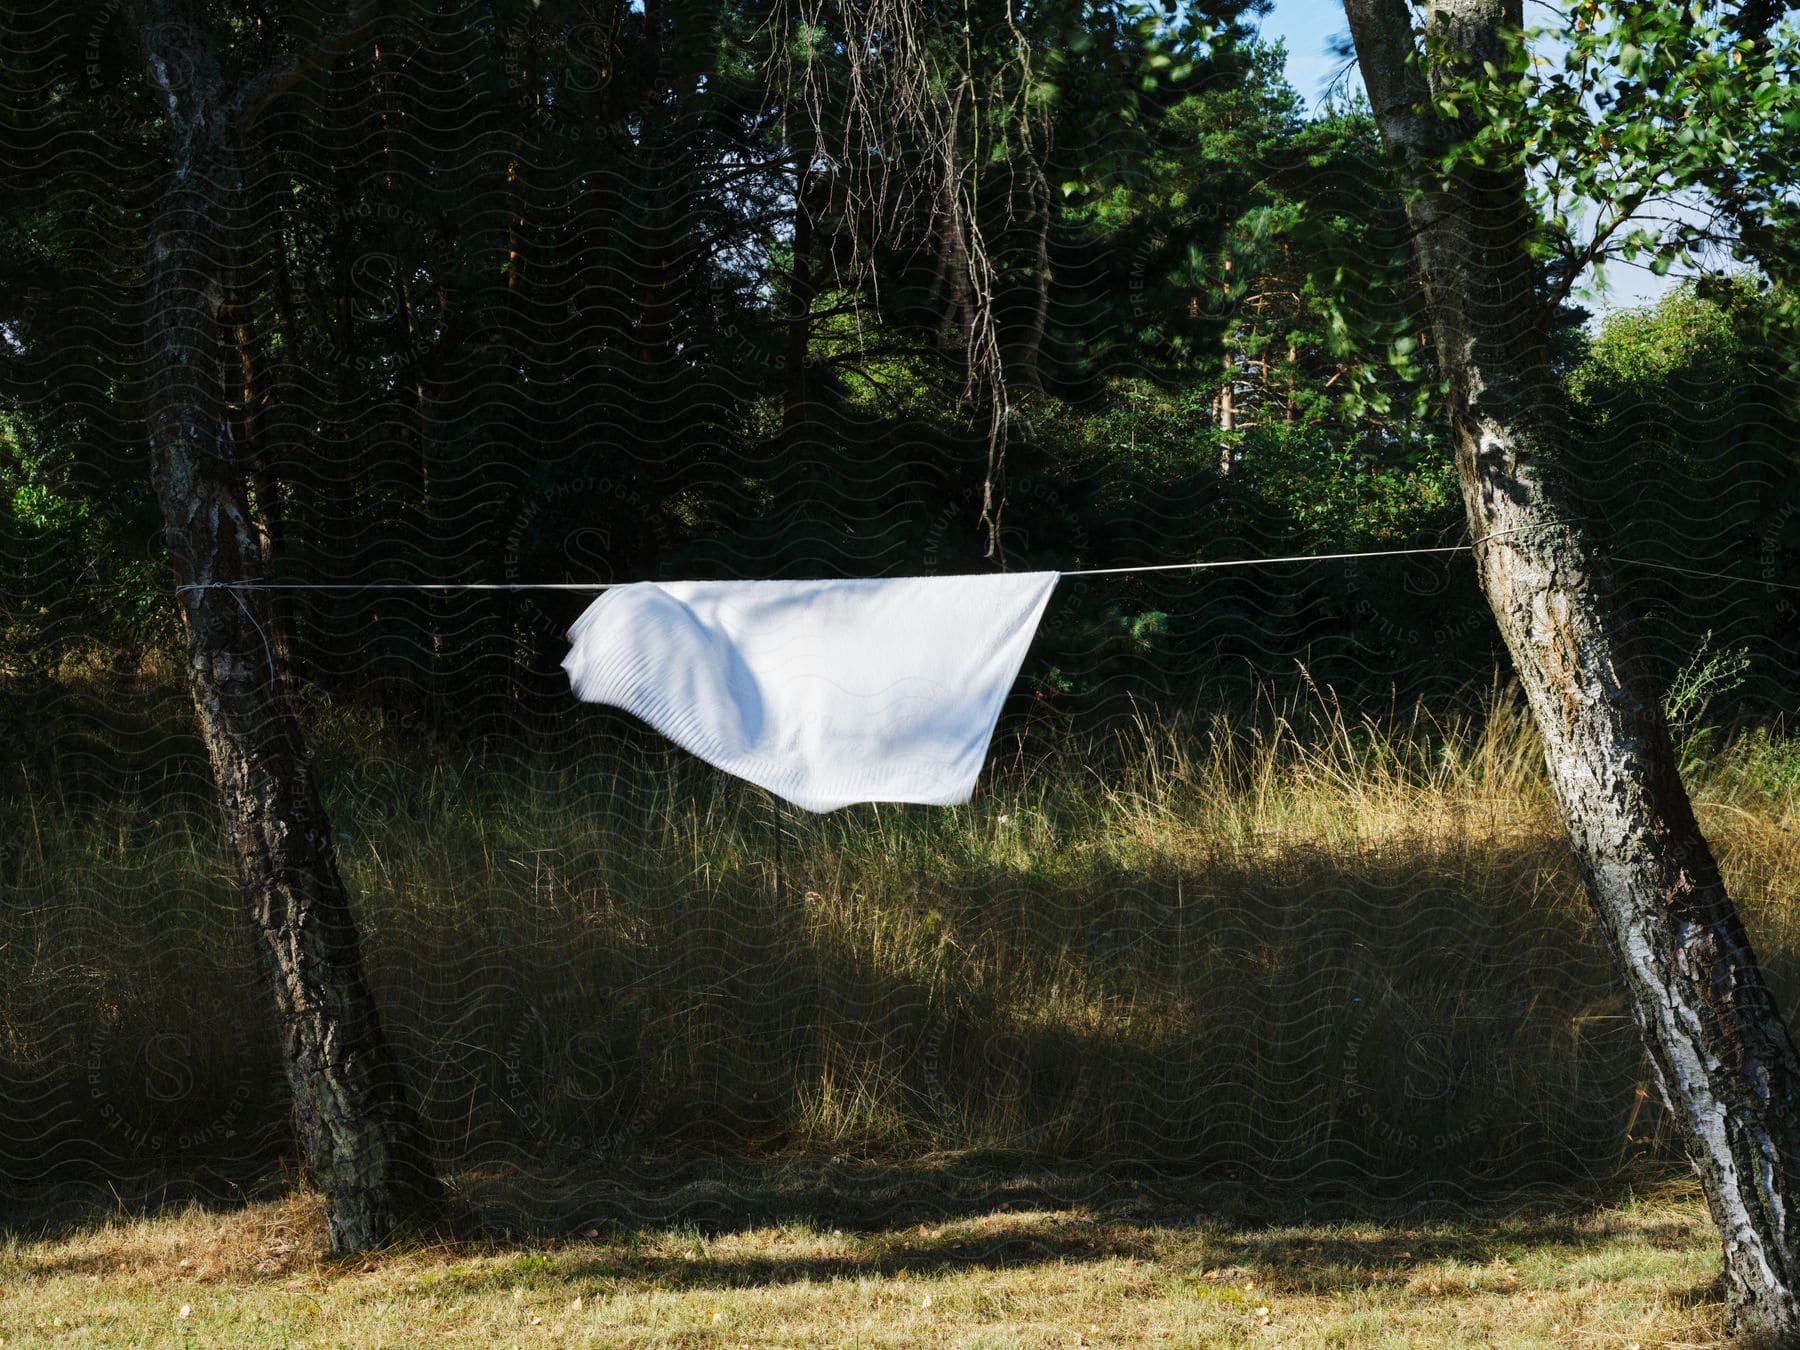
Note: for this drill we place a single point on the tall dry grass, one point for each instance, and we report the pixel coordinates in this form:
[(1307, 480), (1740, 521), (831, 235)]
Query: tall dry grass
[(1294, 944)]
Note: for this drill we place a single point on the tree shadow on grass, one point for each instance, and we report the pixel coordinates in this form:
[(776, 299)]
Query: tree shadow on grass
[(739, 1224), (1387, 1032)]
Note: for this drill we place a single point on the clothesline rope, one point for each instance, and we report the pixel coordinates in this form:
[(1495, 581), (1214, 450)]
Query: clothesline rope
[(1712, 576), (1269, 562), (593, 587)]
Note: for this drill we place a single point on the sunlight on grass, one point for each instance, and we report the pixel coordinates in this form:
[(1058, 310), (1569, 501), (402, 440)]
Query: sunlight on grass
[(1301, 964), (1295, 943), (1634, 1274)]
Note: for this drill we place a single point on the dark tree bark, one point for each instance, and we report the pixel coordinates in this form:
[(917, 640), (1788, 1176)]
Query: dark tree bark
[(1721, 1053), (356, 1128)]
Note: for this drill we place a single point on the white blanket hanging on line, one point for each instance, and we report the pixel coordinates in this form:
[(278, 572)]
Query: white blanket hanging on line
[(823, 692)]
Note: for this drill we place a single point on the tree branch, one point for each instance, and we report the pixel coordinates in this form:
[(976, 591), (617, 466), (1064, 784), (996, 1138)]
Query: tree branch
[(1578, 262), (253, 99)]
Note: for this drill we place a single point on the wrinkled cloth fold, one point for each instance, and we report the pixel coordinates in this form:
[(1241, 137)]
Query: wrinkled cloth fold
[(823, 692)]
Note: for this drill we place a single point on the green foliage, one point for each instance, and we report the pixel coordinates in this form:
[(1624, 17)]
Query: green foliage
[(1685, 336), (1343, 491), (1765, 760), (1653, 135), (1691, 461), (605, 348), (1709, 674), (62, 540)]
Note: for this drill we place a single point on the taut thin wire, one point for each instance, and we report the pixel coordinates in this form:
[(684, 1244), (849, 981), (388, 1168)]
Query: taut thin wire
[(591, 587)]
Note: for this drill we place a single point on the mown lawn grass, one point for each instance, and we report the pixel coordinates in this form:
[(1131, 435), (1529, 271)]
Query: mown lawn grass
[(1636, 1272)]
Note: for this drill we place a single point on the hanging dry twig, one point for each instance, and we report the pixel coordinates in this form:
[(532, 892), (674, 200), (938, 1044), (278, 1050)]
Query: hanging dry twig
[(886, 106)]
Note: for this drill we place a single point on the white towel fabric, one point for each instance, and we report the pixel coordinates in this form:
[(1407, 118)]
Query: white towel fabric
[(823, 692)]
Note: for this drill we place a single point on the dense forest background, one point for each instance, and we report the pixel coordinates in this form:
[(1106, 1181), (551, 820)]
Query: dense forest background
[(585, 292)]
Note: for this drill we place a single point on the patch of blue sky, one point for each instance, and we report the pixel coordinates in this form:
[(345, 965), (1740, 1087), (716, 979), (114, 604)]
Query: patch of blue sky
[(1321, 70)]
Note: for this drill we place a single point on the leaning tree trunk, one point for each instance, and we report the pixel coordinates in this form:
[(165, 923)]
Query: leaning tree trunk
[(356, 1129), (1722, 1056)]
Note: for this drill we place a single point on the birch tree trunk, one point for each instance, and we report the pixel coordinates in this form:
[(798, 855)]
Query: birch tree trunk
[(1721, 1053), (356, 1129)]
